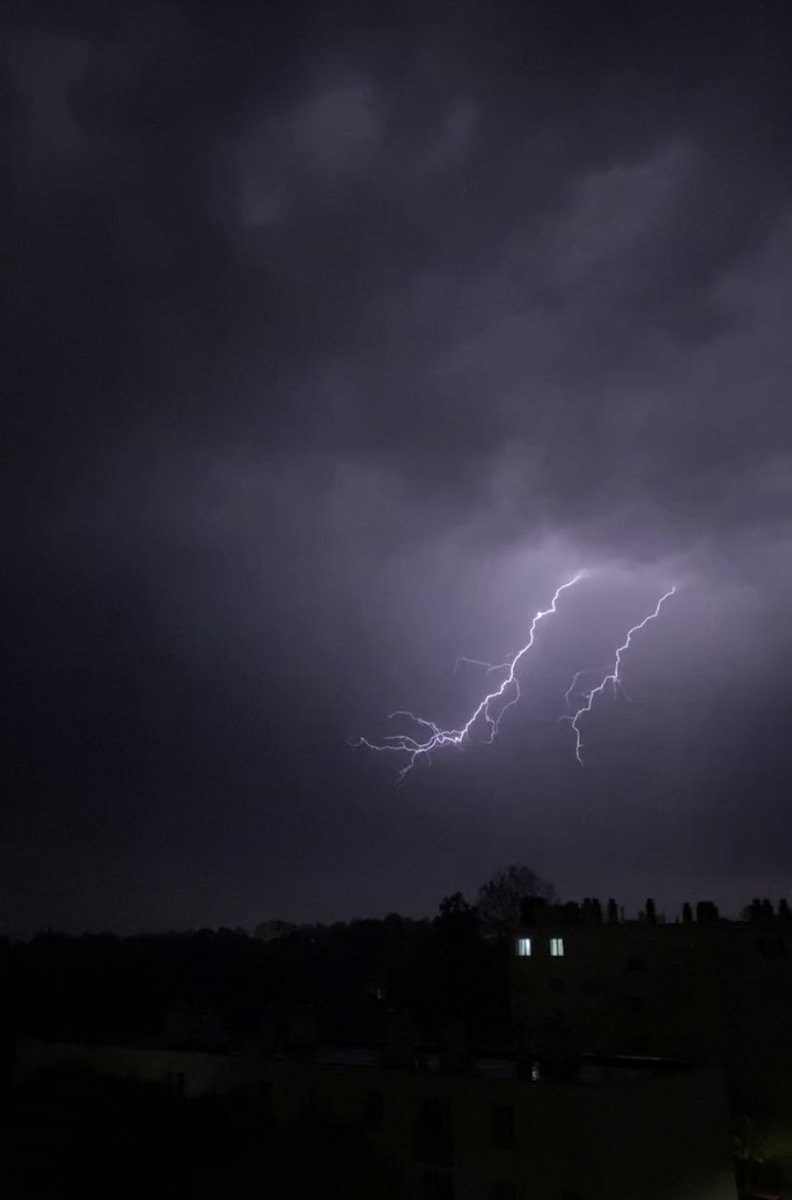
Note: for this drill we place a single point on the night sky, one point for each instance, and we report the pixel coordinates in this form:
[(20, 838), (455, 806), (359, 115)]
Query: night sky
[(337, 336)]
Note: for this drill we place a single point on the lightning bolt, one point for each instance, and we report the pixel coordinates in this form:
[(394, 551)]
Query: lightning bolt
[(570, 692), (436, 738), (612, 678), (463, 660)]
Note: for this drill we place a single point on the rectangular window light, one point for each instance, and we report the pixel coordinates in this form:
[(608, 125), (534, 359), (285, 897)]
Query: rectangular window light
[(556, 947), (524, 947)]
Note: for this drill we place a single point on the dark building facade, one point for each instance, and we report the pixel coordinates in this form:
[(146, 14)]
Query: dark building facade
[(619, 1130), (700, 987)]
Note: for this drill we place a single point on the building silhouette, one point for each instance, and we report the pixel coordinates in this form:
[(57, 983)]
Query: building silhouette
[(474, 1128), (699, 987)]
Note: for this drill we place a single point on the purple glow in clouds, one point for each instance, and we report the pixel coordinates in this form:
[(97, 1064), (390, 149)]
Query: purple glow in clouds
[(492, 707), (611, 677), (489, 709)]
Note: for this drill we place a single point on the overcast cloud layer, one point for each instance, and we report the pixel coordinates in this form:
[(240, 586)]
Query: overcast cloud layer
[(339, 337)]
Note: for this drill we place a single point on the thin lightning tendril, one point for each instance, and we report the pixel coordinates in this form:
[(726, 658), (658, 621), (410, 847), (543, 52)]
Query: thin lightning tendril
[(612, 678), (570, 692), (479, 662), (439, 738)]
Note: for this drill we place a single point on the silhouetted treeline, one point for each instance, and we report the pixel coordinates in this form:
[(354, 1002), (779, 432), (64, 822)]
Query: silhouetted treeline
[(349, 975)]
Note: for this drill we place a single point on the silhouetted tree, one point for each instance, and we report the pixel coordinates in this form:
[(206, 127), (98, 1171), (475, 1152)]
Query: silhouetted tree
[(456, 916), (499, 898), (111, 989)]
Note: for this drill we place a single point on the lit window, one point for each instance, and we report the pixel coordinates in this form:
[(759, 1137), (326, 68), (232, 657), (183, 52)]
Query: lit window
[(524, 947), (557, 947)]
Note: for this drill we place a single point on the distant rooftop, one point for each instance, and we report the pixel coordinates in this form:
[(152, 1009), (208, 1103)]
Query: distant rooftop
[(535, 910), (419, 1058), (594, 1069)]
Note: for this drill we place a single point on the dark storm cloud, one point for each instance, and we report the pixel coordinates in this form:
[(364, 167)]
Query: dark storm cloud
[(322, 315)]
